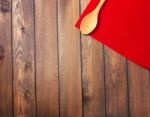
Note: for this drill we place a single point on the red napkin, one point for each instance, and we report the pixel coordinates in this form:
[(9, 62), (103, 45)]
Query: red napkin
[(124, 26)]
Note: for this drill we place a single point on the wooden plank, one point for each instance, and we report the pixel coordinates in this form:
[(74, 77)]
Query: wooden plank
[(5, 59), (139, 90), (116, 84), (23, 58), (93, 79), (92, 75), (46, 58), (69, 59)]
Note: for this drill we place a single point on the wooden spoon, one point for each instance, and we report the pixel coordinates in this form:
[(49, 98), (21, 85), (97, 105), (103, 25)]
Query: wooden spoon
[(90, 21)]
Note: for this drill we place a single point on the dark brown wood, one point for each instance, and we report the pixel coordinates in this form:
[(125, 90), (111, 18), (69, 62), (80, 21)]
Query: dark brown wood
[(139, 91), (23, 58), (5, 59), (46, 58), (69, 59), (116, 84), (47, 71)]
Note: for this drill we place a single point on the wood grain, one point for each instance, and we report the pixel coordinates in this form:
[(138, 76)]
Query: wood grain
[(5, 59), (92, 75), (47, 69), (69, 59), (46, 58), (93, 78), (139, 91), (116, 84), (23, 58)]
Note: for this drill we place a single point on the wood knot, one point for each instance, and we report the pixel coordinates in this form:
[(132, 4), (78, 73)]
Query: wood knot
[(28, 65), (28, 95), (5, 5), (2, 54), (22, 28)]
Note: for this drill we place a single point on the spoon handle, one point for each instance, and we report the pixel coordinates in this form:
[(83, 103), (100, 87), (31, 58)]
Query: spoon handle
[(99, 6)]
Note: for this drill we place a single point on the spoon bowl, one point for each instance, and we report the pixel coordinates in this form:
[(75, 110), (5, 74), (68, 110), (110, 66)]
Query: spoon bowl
[(90, 21)]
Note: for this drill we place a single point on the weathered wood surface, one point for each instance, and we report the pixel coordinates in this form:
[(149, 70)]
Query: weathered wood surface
[(47, 69), (69, 59), (116, 84), (139, 91), (23, 58), (5, 60), (92, 77), (46, 58)]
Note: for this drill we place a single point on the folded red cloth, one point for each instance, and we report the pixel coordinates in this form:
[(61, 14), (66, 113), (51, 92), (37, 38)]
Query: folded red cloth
[(124, 26)]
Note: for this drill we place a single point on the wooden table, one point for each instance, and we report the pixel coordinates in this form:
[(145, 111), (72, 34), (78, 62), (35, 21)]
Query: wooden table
[(47, 69)]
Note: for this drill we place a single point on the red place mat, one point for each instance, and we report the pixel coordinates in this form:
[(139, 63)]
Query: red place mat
[(124, 26)]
